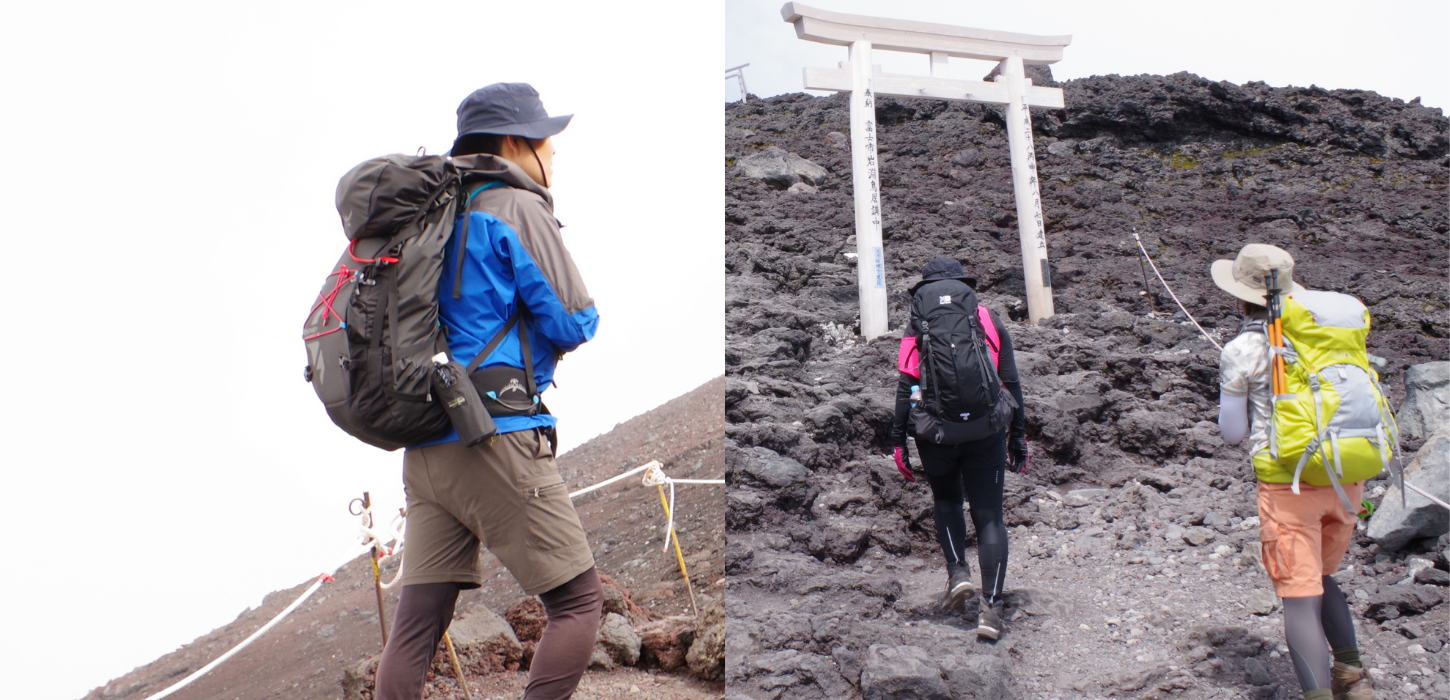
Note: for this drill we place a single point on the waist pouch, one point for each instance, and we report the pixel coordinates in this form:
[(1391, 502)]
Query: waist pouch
[(504, 391), (949, 432)]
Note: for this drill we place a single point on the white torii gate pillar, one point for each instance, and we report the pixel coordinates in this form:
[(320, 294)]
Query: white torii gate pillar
[(939, 41), (865, 183)]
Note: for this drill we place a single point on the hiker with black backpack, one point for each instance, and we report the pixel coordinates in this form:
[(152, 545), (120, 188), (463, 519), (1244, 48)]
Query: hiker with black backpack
[(438, 331), (959, 395), (1297, 381)]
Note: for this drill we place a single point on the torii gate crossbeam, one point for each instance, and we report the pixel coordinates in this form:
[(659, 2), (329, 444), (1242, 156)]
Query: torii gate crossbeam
[(940, 42)]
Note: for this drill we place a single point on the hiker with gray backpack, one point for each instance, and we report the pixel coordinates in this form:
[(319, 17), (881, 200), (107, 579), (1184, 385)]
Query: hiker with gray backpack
[(1299, 384), (959, 395), (438, 331)]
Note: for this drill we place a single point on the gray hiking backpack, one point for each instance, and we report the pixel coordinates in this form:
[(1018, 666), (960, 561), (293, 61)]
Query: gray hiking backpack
[(373, 328)]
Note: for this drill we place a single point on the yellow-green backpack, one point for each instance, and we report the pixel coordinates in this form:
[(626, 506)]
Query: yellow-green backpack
[(1333, 424)]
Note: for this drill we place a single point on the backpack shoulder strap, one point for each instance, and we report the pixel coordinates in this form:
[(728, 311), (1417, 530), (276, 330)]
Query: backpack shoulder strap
[(1254, 325), (463, 234), (994, 342)]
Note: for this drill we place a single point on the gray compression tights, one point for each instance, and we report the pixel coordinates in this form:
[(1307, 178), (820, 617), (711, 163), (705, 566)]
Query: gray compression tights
[(1313, 624)]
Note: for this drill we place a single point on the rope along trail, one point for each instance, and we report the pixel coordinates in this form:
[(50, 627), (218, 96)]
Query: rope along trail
[(1139, 241), (655, 476)]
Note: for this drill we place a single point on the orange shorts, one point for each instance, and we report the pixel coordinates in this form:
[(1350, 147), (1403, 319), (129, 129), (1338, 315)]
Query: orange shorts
[(1305, 535)]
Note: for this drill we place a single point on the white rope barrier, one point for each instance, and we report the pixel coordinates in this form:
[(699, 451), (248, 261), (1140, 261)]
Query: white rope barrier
[(270, 624), (1171, 294), (371, 538), (652, 464)]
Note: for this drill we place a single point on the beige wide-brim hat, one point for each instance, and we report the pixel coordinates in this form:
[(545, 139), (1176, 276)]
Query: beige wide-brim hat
[(1247, 276)]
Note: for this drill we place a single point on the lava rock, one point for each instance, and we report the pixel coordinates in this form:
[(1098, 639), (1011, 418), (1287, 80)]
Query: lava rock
[(901, 672), (1394, 526), (485, 643), (1261, 601), (1432, 577), (769, 468), (1255, 673), (619, 640), (1426, 407), (664, 643), (706, 656), (527, 618), (1198, 536), (979, 677), (780, 169), (1396, 601)]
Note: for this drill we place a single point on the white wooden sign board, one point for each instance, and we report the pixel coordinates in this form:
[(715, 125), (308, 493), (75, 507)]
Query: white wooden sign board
[(939, 41)]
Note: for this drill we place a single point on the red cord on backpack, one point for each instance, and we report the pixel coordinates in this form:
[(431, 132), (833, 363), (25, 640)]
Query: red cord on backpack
[(351, 246), (325, 301)]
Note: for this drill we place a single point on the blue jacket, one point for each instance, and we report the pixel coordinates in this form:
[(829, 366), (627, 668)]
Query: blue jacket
[(513, 252)]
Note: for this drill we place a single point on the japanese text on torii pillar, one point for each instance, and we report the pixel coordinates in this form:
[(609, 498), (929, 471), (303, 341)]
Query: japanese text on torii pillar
[(1038, 230), (868, 141)]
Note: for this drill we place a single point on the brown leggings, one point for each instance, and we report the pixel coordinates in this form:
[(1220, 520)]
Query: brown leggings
[(425, 609)]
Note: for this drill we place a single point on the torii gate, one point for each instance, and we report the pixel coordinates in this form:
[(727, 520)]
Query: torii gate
[(939, 41)]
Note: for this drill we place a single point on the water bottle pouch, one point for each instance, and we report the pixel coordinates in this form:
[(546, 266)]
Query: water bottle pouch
[(467, 411)]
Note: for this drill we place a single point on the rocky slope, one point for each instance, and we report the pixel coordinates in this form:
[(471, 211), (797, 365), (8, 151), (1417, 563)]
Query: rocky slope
[(334, 637), (1142, 589)]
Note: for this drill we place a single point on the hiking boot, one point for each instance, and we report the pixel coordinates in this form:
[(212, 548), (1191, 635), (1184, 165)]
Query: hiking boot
[(989, 620), (959, 586), (1350, 683)]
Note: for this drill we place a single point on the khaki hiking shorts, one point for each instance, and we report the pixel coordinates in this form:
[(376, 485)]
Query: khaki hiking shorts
[(507, 496), (1305, 535)]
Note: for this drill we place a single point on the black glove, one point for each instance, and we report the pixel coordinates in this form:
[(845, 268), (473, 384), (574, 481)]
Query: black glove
[(1017, 453)]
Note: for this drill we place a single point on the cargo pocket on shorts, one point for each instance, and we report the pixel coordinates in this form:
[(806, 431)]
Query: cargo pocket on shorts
[(552, 523), (1272, 553)]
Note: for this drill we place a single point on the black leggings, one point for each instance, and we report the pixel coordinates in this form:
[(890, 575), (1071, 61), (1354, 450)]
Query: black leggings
[(952, 488)]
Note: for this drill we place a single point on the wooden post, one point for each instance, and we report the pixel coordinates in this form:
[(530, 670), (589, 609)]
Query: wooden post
[(870, 258), (1030, 226)]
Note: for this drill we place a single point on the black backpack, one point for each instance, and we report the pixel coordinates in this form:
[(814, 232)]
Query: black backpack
[(962, 398), (373, 329)]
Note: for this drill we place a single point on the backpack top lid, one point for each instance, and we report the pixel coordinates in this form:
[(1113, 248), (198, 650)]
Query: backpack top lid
[(1327, 328), (380, 196)]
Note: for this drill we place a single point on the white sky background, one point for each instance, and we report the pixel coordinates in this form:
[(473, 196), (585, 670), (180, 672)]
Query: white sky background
[(169, 182), (1395, 48)]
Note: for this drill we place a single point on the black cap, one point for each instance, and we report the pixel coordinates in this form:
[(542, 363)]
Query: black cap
[(510, 109), (943, 268)]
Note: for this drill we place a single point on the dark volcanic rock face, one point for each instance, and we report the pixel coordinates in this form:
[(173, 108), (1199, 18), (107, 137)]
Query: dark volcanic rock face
[(828, 545)]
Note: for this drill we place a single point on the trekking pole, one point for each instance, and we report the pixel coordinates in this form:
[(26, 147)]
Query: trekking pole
[(1279, 383), (457, 668)]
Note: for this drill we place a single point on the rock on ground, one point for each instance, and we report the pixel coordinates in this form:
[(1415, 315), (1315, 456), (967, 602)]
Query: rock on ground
[(619, 640), (902, 672), (1393, 525), (1426, 407)]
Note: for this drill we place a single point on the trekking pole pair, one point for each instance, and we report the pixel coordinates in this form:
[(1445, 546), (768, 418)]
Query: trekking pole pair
[(1279, 383)]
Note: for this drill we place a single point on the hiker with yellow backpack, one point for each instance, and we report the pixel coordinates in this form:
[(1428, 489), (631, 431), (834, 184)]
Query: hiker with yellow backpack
[(1299, 384)]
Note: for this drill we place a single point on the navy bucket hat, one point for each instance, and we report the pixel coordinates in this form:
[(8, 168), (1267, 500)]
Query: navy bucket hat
[(943, 268), (509, 109)]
